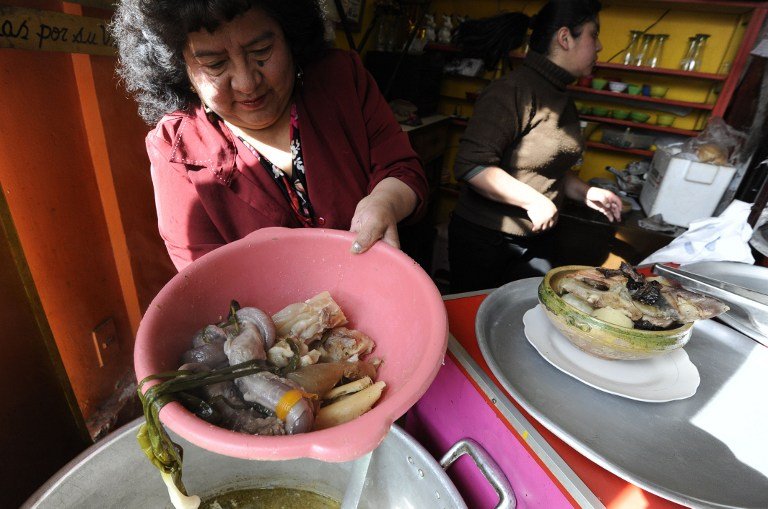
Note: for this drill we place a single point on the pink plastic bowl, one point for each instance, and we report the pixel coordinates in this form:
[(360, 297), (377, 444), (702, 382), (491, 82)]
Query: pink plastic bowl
[(383, 293)]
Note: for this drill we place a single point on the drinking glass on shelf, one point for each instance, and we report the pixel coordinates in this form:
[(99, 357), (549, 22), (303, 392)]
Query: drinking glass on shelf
[(685, 63), (658, 50), (642, 55), (698, 54), (634, 42)]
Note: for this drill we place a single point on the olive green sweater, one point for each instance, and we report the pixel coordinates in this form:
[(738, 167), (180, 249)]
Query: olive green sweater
[(527, 124)]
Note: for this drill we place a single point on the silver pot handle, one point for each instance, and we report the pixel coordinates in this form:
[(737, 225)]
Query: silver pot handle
[(488, 467)]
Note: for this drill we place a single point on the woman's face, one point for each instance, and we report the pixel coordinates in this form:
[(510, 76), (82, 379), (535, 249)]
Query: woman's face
[(243, 71), (582, 55)]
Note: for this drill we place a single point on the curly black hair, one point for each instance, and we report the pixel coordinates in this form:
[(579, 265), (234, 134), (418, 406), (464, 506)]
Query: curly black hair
[(151, 35)]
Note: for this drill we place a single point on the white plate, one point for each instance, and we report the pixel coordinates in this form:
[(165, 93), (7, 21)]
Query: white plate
[(665, 378)]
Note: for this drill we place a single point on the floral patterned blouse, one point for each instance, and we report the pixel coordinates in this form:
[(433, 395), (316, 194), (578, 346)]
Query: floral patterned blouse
[(294, 188)]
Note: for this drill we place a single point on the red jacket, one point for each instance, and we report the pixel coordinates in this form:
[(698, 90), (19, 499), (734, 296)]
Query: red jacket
[(211, 190)]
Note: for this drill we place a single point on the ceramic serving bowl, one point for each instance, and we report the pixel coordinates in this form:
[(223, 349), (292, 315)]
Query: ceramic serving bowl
[(601, 338), (599, 111), (658, 91), (382, 292), (599, 83), (637, 116), (634, 89), (617, 86)]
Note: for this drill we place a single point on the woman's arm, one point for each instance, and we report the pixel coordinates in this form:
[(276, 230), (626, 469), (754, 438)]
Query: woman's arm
[(398, 187), (594, 197), (498, 185), (502, 114)]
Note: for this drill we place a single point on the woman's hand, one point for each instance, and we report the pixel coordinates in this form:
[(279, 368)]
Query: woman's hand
[(498, 185), (594, 197), (373, 220), (604, 201), (542, 213), (376, 215)]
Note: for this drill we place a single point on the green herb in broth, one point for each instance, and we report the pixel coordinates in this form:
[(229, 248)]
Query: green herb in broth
[(165, 454), (270, 498)]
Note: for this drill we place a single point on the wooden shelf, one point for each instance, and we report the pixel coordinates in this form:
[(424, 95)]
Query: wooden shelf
[(661, 72), (641, 125), (642, 98), (611, 148), (649, 70), (723, 6)]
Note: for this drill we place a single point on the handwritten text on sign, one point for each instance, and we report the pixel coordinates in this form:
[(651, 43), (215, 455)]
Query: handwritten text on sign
[(31, 29), (101, 4)]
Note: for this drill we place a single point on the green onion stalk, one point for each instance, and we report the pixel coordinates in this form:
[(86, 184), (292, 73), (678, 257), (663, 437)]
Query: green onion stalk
[(166, 455)]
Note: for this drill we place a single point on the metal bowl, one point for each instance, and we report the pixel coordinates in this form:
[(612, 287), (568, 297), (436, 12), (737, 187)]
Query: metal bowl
[(601, 338), (382, 292)]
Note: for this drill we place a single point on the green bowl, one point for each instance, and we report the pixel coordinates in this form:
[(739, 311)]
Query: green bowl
[(620, 114), (599, 111), (639, 117), (634, 89), (600, 338), (658, 91), (599, 83), (665, 120)]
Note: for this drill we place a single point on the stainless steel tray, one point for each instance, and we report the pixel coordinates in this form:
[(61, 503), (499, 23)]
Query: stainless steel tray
[(752, 277), (710, 450)]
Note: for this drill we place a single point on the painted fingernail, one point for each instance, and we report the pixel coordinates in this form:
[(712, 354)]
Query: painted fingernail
[(357, 248)]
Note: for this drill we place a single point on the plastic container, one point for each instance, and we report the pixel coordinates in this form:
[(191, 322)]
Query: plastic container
[(625, 137), (382, 292), (681, 190)]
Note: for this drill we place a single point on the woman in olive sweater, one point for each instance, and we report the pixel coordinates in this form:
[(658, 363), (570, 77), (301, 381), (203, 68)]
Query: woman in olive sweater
[(517, 152)]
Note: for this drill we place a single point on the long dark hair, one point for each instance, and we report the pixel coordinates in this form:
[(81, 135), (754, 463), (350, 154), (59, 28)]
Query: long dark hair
[(491, 39), (151, 35)]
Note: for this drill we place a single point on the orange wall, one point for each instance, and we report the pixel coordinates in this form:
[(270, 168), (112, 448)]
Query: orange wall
[(77, 182), (124, 132)]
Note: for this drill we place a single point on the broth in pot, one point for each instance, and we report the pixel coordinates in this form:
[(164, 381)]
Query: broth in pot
[(269, 498)]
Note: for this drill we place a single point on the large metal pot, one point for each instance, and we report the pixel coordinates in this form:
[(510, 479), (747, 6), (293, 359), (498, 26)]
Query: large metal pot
[(114, 473)]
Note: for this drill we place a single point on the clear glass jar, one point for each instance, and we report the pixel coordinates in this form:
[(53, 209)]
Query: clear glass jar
[(658, 50)]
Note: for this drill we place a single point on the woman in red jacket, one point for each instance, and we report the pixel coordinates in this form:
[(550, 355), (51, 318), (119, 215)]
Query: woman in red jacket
[(259, 124)]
